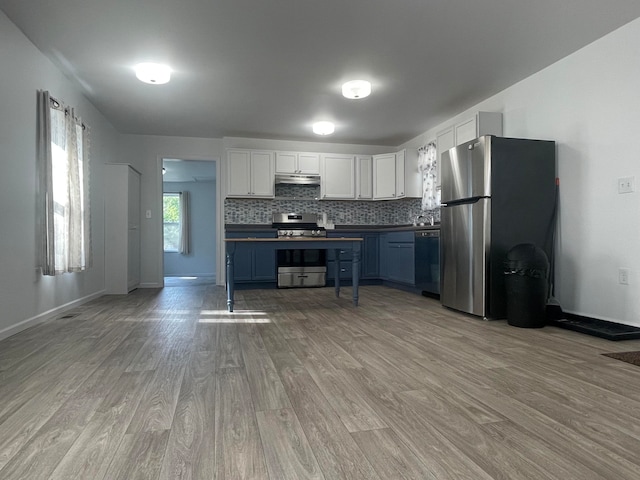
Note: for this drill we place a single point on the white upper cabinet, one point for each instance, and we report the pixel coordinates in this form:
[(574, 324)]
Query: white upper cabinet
[(294, 162), (482, 123), (400, 169), (393, 178), (338, 177), (250, 173), (384, 176), (364, 177)]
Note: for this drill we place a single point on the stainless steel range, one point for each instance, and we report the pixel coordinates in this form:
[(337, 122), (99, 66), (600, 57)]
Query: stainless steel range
[(300, 267)]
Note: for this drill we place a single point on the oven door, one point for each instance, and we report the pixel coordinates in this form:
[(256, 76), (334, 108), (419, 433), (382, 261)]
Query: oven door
[(305, 257)]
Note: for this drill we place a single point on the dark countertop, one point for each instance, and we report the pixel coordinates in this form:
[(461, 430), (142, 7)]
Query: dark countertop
[(341, 228)]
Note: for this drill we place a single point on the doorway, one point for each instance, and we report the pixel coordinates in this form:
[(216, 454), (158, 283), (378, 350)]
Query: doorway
[(189, 221)]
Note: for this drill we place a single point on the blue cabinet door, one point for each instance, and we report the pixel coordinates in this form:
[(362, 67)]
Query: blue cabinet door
[(370, 256), (251, 262), (383, 265), (401, 263), (264, 264), (242, 262)]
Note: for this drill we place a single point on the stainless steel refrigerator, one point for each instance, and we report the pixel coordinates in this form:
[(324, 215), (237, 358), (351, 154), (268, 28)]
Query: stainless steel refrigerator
[(496, 193)]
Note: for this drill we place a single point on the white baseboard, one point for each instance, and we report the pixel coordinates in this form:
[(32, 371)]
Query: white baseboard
[(213, 275), (150, 285), (48, 315)]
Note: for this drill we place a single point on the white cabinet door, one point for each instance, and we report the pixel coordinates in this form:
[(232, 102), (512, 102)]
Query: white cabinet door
[(445, 140), (122, 229), (364, 177), (309, 163), (239, 173), (286, 162), (384, 176), (294, 162), (338, 177), (133, 253), (262, 174), (400, 190), (466, 131), (250, 173)]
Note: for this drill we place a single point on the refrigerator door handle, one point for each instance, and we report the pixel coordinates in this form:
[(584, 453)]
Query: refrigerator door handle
[(463, 201)]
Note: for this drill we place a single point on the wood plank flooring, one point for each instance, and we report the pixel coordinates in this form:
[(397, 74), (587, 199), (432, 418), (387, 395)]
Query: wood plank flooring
[(296, 384)]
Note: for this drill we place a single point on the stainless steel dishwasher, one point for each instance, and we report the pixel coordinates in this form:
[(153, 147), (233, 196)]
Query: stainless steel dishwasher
[(427, 261)]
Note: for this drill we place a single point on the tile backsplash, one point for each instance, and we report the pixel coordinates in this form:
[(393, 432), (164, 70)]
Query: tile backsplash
[(304, 199)]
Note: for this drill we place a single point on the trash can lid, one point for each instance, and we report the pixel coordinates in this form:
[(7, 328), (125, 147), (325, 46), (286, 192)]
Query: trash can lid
[(527, 255)]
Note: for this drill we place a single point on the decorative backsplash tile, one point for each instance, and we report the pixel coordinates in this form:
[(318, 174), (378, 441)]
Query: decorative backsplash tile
[(304, 199)]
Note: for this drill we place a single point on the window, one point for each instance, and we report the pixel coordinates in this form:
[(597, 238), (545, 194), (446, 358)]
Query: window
[(63, 163), (171, 218)]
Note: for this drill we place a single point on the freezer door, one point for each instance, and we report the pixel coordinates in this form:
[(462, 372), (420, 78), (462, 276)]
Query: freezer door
[(466, 171), (464, 237)]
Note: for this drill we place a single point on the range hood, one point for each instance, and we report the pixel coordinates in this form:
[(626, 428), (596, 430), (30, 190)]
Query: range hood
[(297, 179)]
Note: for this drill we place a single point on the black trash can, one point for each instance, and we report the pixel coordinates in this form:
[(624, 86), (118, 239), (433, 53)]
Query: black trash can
[(526, 271)]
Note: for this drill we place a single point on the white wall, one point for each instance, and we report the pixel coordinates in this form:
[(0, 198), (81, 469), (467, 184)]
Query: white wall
[(589, 103), (146, 152), (26, 297), (201, 261)]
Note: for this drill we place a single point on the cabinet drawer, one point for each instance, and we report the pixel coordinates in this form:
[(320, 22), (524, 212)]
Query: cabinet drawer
[(345, 255), (346, 269), (400, 237)]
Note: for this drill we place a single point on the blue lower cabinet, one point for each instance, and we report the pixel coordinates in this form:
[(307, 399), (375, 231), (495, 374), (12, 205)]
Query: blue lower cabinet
[(242, 263), (346, 256), (346, 269), (401, 263), (369, 266), (251, 262), (264, 264), (397, 255)]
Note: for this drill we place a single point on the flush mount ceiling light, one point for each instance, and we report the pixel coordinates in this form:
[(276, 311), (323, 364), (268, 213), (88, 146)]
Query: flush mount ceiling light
[(323, 128), (356, 89), (153, 73)]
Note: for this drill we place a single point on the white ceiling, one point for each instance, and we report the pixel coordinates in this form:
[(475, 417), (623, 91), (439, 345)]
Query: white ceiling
[(270, 68)]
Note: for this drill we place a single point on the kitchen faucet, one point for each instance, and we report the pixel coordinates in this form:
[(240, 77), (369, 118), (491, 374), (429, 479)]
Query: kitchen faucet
[(426, 219)]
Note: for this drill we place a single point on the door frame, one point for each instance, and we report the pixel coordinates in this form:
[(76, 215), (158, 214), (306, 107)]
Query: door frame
[(219, 213)]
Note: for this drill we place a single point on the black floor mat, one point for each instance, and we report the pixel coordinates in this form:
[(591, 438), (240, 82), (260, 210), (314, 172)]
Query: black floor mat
[(598, 328)]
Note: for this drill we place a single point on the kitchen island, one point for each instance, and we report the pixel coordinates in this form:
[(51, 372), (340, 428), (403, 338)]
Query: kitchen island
[(274, 244)]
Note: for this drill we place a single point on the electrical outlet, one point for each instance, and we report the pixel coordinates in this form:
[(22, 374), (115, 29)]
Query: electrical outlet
[(626, 184), (623, 276), (148, 214)]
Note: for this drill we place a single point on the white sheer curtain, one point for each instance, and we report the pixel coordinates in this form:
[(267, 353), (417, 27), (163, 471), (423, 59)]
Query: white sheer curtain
[(63, 212), (185, 221), (427, 163)]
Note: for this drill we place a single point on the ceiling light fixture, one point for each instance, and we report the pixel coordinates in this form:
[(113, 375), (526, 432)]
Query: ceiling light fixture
[(323, 128), (153, 73), (356, 89)]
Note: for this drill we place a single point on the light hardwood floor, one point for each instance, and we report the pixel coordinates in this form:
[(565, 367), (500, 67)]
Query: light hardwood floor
[(296, 384)]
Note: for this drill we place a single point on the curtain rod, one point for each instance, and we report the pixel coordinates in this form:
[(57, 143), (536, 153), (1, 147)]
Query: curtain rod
[(58, 105)]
